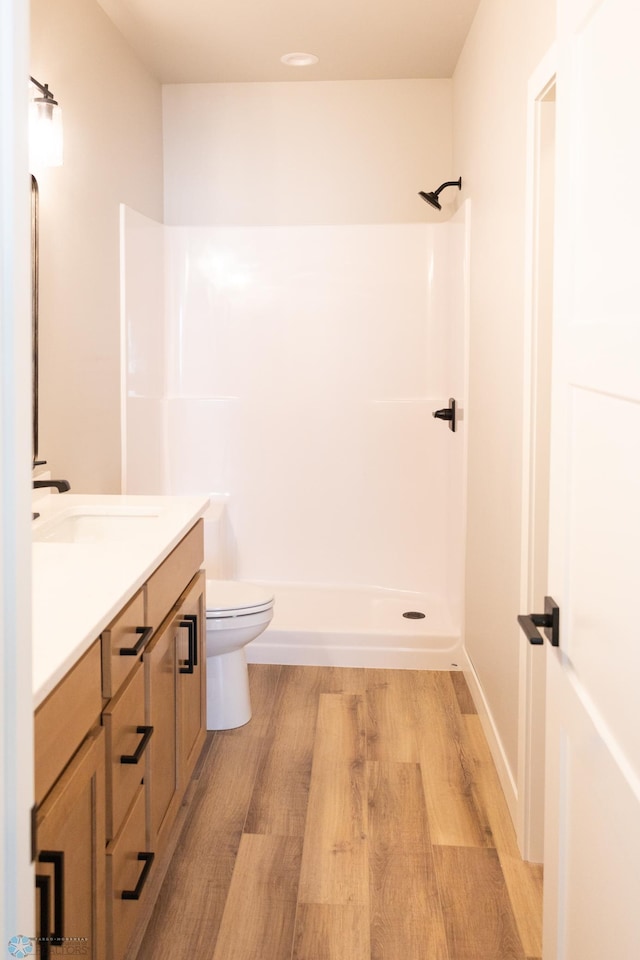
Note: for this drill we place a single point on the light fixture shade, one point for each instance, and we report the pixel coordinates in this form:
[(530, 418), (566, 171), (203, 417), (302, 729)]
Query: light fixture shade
[(45, 134), (299, 59)]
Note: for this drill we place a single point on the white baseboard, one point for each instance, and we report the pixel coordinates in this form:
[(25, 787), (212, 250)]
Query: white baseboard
[(503, 769)]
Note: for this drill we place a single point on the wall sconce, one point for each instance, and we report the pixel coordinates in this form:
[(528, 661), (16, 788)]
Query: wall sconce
[(45, 129)]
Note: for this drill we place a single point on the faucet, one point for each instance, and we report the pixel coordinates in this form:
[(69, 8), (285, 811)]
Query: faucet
[(61, 485)]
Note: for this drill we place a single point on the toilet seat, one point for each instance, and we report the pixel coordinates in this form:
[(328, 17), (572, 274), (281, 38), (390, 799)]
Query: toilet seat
[(230, 598)]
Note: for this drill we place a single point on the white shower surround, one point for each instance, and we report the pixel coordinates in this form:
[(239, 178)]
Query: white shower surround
[(291, 373)]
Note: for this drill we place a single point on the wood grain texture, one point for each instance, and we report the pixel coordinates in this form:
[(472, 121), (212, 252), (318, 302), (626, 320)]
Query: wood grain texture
[(447, 765), (279, 803), (406, 914), (463, 695), (330, 931), (357, 878), (62, 721), (259, 914), (477, 911), (523, 880), (391, 716), (342, 680), (334, 863)]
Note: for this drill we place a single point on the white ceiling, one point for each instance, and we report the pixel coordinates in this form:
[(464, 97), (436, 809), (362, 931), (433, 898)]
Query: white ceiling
[(212, 41)]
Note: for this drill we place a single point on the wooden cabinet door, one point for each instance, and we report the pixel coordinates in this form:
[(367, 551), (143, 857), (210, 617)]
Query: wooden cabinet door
[(160, 660), (129, 866), (192, 666), (70, 862)]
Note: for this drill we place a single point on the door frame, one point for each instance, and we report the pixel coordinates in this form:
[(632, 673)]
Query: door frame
[(532, 660), (16, 695)]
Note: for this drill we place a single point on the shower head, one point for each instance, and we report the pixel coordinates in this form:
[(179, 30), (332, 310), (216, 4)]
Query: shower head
[(432, 198)]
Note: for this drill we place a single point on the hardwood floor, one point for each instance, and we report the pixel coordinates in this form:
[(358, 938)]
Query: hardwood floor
[(358, 816)]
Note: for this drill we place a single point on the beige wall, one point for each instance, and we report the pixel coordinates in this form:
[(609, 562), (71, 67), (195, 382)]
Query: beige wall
[(113, 152), (506, 42), (305, 153)]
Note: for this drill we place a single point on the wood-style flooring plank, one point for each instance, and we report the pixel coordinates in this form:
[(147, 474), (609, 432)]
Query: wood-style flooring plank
[(259, 914), (477, 911), (334, 860), (340, 729), (447, 765), (391, 716), (281, 791), (331, 931), (463, 694), (343, 680), (524, 880), (406, 914)]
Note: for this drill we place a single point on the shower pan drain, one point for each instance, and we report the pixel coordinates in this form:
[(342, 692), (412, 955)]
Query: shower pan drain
[(414, 615)]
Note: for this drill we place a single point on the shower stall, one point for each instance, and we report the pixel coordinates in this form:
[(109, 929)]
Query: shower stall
[(291, 374)]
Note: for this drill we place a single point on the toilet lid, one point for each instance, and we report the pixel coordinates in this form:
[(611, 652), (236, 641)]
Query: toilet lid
[(230, 598)]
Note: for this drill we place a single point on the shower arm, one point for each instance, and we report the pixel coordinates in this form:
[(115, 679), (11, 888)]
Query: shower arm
[(449, 183)]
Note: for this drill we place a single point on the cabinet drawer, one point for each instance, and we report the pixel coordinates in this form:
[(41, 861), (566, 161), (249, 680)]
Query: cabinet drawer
[(127, 736), (122, 634), (174, 574), (64, 719), (126, 872)]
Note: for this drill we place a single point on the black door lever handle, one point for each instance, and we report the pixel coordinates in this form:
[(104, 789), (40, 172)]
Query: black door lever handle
[(549, 621), (530, 628)]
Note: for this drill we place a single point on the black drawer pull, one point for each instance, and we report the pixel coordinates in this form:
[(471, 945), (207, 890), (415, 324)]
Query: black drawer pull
[(56, 857), (189, 623), (140, 749), (145, 636), (135, 894), (193, 617)]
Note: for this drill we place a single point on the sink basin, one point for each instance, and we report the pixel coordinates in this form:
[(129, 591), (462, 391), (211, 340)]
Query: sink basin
[(96, 524)]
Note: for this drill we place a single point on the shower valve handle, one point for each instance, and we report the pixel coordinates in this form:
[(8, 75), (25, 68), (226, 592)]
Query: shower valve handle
[(447, 413)]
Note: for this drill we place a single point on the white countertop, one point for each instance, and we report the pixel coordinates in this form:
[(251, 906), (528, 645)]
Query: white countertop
[(78, 588)]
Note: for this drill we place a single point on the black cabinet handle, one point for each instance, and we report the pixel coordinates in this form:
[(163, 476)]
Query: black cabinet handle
[(43, 883), (145, 636), (549, 621), (140, 749), (136, 894), (190, 622), (56, 857), (193, 617)]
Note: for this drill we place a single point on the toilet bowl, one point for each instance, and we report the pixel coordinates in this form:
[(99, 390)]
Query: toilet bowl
[(237, 613)]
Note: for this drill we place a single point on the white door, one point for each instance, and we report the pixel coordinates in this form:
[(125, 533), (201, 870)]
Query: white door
[(540, 218), (592, 813)]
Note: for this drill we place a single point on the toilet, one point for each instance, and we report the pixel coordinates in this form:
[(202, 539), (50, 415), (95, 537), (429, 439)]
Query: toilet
[(237, 613)]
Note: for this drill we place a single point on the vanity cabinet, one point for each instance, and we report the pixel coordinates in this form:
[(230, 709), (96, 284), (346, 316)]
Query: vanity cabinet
[(115, 744)]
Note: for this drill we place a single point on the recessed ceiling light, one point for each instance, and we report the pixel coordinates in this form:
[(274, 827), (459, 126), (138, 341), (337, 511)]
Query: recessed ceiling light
[(299, 59)]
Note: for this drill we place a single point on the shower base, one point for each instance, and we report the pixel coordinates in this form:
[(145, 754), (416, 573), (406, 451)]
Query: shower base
[(357, 626)]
